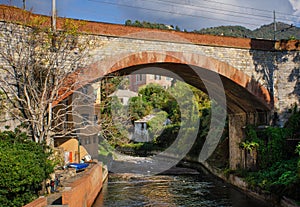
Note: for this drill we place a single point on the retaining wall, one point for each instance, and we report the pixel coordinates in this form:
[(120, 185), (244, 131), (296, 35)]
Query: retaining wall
[(84, 190), (40, 202)]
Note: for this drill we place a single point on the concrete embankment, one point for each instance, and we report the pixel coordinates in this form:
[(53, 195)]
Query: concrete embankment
[(81, 191), (238, 182), (241, 184)]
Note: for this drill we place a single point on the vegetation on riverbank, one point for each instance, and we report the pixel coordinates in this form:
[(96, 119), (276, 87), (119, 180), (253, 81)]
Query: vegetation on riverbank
[(277, 167), (24, 166)]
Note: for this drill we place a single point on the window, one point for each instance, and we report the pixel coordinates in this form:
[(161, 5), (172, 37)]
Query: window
[(85, 119), (139, 77), (95, 93), (84, 90), (95, 119), (157, 77), (87, 141)]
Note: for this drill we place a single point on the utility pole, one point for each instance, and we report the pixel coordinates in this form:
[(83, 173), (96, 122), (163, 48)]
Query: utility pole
[(275, 28), (53, 16), (24, 4), (53, 28)]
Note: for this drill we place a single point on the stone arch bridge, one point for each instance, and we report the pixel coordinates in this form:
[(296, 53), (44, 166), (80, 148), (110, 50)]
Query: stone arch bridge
[(259, 78)]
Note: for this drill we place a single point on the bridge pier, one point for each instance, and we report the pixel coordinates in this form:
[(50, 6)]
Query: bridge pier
[(237, 124)]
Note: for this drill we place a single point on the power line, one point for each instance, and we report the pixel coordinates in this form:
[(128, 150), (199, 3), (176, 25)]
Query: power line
[(232, 11), (245, 7), (233, 5), (243, 15), (252, 8), (177, 13)]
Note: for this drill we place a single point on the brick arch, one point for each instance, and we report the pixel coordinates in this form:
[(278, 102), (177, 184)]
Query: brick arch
[(171, 60), (228, 72)]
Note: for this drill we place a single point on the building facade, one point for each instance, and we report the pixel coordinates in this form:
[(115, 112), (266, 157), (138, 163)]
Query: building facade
[(138, 80)]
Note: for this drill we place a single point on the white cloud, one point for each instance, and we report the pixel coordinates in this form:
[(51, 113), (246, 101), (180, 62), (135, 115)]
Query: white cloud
[(296, 7), (295, 4)]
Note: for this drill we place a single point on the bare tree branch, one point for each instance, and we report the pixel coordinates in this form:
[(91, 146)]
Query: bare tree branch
[(34, 73)]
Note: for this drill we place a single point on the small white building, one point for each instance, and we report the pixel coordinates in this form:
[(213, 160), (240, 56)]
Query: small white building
[(141, 133), (123, 95)]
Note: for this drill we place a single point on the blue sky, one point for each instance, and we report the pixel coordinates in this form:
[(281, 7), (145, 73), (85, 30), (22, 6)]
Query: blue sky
[(187, 14)]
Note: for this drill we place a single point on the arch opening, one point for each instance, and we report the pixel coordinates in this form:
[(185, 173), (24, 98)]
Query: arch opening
[(243, 95), (239, 99)]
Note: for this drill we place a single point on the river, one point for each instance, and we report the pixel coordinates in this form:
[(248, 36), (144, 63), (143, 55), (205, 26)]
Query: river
[(196, 188)]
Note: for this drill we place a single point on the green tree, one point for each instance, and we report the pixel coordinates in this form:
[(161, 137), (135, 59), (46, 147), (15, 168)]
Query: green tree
[(139, 108), (115, 121), (151, 25), (24, 166), (156, 124), (155, 95), (128, 22), (293, 123), (271, 143)]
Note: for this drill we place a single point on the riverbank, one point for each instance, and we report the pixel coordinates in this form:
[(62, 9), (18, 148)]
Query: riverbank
[(239, 183)]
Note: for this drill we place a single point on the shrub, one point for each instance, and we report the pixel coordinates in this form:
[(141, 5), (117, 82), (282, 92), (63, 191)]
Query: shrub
[(281, 179), (298, 151), (271, 144), (24, 165)]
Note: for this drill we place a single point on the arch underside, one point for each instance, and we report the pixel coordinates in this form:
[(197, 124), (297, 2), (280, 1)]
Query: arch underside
[(239, 99), (243, 94)]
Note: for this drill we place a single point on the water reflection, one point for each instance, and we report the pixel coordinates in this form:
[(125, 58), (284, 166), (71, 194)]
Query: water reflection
[(170, 190)]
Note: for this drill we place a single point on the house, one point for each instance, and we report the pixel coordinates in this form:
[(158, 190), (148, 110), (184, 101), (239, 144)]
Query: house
[(123, 95), (76, 118), (141, 133), (138, 80)]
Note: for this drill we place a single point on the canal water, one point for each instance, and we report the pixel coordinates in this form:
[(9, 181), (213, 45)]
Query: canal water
[(194, 189)]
